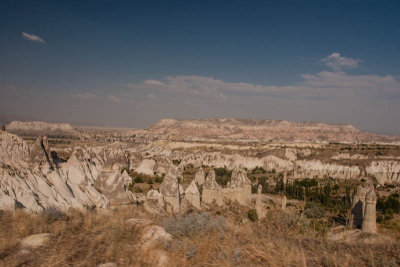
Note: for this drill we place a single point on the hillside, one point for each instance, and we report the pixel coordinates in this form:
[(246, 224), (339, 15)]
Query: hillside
[(268, 130), (39, 127)]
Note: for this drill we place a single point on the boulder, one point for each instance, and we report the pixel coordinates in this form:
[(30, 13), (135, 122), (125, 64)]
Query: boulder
[(35, 241)]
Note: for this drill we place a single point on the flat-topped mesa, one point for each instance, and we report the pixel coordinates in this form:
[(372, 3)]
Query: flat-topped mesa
[(199, 178), (40, 128), (211, 190), (229, 128)]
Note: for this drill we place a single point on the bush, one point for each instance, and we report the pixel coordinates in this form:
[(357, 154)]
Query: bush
[(150, 181), (252, 215), (53, 214), (176, 162), (138, 180), (258, 170), (194, 224), (314, 210), (159, 180), (130, 187), (222, 176)]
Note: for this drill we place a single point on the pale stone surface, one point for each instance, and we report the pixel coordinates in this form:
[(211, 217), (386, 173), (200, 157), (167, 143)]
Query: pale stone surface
[(358, 207), (108, 264), (259, 206), (146, 167), (112, 185), (139, 222), (154, 202), (385, 171), (199, 178), (35, 241), (192, 195), (363, 212), (211, 190), (369, 222), (172, 192), (283, 203), (151, 236)]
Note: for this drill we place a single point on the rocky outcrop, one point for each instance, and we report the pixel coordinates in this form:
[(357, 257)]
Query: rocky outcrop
[(33, 177), (154, 203), (192, 195), (318, 169), (385, 171), (113, 187), (199, 178), (146, 167), (172, 192), (239, 189), (259, 205), (363, 212), (211, 190), (369, 223)]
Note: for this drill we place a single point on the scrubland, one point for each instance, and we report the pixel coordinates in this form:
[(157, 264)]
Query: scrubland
[(217, 237)]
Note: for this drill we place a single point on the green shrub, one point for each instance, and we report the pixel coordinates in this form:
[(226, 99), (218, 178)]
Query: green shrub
[(252, 215), (138, 180), (150, 181), (222, 176), (159, 180), (176, 162), (130, 187), (314, 210)]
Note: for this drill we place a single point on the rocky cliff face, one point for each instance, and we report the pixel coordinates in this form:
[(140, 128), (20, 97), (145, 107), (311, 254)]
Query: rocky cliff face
[(32, 177), (265, 130)]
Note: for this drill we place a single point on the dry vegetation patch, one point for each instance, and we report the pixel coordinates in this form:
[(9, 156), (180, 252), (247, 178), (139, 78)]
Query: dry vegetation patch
[(219, 237)]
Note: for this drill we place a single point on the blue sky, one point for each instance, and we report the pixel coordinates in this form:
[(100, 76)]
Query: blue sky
[(131, 63)]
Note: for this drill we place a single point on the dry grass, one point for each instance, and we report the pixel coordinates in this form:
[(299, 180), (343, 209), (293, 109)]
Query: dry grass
[(88, 239)]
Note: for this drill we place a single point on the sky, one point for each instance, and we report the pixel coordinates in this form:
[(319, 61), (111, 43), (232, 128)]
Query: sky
[(132, 63)]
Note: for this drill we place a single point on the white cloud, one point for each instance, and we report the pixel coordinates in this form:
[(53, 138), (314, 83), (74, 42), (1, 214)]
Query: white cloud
[(87, 95), (325, 84), (32, 37), (338, 63), (153, 82), (152, 96), (114, 99)]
